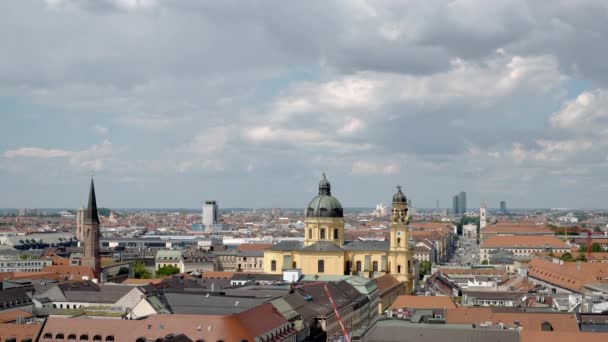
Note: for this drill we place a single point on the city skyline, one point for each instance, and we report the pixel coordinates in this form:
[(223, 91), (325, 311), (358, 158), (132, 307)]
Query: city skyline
[(175, 103)]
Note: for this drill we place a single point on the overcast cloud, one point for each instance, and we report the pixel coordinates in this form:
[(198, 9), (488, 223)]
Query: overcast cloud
[(174, 102)]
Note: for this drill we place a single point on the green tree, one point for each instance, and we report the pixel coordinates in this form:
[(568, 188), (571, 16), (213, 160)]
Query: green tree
[(140, 271), (595, 248), (123, 271), (425, 268), (567, 257), (167, 271), (581, 257), (485, 262)]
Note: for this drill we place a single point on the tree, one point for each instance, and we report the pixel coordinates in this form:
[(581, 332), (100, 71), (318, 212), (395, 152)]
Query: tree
[(567, 257), (581, 257), (425, 268), (167, 271), (123, 271), (595, 248), (140, 271), (485, 262)]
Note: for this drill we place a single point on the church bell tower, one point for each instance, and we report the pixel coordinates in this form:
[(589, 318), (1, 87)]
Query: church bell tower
[(91, 235), (400, 255)]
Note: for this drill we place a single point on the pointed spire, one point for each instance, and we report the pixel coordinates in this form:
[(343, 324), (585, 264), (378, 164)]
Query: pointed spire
[(91, 216)]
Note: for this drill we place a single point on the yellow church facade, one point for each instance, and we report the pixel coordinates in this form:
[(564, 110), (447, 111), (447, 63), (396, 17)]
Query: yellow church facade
[(324, 250)]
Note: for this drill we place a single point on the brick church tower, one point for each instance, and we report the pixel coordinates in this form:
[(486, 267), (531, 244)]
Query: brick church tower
[(91, 235)]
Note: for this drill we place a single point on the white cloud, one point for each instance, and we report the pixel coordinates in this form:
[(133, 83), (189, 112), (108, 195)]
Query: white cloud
[(493, 78), (587, 109), (549, 150), (366, 167), (92, 158), (37, 152), (352, 126), (100, 129)]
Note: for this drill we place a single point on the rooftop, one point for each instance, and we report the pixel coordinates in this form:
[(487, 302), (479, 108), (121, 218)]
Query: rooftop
[(423, 302), (523, 241)]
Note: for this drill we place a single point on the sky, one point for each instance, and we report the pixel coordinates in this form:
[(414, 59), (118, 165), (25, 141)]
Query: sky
[(174, 102)]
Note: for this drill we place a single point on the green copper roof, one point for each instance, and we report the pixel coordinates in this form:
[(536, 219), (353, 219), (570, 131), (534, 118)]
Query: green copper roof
[(365, 286), (324, 204)]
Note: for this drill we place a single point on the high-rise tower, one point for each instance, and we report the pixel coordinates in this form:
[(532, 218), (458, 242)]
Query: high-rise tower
[(91, 234), (80, 223), (399, 253)]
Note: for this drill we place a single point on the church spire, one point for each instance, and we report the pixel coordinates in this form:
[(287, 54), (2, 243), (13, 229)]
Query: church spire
[(91, 215)]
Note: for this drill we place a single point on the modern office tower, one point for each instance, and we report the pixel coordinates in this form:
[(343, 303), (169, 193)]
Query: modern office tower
[(462, 202), (503, 207), (210, 213), (455, 207), (211, 221)]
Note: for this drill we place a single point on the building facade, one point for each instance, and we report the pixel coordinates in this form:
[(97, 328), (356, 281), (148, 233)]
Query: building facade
[(324, 250), (80, 223)]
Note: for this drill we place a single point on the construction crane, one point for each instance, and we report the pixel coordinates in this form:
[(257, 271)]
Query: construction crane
[(333, 305)]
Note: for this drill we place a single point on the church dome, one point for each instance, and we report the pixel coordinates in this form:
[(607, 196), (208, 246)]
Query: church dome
[(399, 196), (324, 204)]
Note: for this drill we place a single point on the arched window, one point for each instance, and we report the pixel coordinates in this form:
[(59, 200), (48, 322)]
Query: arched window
[(398, 241), (273, 265), (398, 268), (294, 265), (322, 234), (336, 235), (375, 266), (110, 338), (72, 337), (85, 337), (321, 266), (97, 338), (358, 266), (59, 337), (48, 336)]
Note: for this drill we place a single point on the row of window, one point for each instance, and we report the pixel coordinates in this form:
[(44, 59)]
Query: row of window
[(322, 234), (321, 266), (72, 337)]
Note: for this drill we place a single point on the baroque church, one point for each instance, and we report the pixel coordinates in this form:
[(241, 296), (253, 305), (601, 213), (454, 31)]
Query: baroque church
[(324, 250)]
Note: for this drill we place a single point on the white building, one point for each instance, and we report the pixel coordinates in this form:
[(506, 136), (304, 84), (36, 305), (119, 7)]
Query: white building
[(211, 216), (482, 216)]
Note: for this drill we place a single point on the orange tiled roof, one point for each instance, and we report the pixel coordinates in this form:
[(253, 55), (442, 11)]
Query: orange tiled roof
[(561, 322), (572, 276), (516, 229), (254, 246), (218, 275), (11, 316), (385, 283), (423, 302), (28, 275), (533, 241), (132, 281), (474, 271), (246, 325), (20, 331), (73, 272)]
